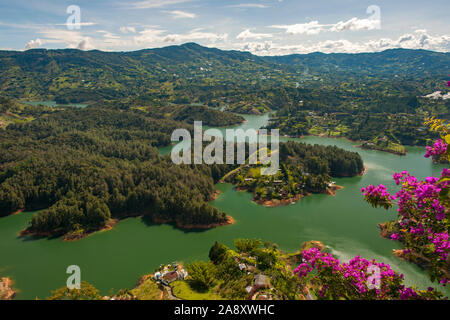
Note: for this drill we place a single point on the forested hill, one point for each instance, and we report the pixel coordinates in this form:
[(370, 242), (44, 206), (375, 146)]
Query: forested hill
[(94, 74), (393, 62), (85, 166), (90, 75)]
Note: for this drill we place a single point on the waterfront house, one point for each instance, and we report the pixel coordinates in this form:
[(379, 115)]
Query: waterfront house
[(157, 276), (182, 274), (171, 276), (261, 281)]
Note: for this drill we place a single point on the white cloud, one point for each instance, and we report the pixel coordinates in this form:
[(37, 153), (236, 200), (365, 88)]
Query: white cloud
[(158, 37), (420, 39), (154, 36), (32, 44), (314, 27), (37, 26), (258, 47), (81, 24), (356, 24), (309, 28), (195, 35), (155, 3), (247, 34), (177, 14), (248, 5), (85, 44), (149, 36), (72, 39), (108, 35), (127, 29)]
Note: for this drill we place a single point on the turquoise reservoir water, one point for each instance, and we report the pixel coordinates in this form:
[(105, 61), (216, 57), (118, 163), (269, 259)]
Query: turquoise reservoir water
[(116, 259)]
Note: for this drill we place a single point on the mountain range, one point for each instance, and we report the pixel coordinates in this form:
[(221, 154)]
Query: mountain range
[(47, 74)]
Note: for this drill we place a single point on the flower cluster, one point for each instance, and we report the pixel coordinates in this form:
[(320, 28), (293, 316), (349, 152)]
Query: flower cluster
[(377, 196), (357, 279), (441, 244), (439, 148), (316, 259), (422, 226)]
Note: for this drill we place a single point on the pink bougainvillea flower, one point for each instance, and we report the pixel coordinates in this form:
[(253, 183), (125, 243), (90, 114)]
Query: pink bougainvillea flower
[(438, 148), (395, 236), (445, 172)]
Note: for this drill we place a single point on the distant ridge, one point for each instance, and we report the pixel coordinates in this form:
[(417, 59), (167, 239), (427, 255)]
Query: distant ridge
[(196, 46), (42, 72)]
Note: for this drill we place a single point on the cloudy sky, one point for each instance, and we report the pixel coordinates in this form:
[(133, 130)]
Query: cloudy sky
[(264, 27)]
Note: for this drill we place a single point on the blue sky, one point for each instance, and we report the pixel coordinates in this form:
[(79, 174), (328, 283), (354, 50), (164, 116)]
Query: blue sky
[(264, 27)]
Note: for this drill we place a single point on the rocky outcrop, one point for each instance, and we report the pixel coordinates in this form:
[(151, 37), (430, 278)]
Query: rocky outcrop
[(312, 244), (6, 289)]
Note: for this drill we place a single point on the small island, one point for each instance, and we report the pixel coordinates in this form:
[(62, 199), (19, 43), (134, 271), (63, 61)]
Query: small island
[(304, 169)]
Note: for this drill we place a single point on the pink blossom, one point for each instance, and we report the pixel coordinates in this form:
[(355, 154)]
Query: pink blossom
[(395, 236), (445, 173), (438, 148)]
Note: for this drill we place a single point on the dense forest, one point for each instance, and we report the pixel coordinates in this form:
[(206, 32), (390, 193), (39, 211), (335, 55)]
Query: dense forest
[(84, 167), (191, 113)]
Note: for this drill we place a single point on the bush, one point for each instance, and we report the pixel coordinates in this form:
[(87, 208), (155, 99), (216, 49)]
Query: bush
[(202, 274)]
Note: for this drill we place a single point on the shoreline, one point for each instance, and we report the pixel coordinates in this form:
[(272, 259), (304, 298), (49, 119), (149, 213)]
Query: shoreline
[(70, 237), (17, 212), (383, 150), (332, 190), (350, 140), (278, 203), (364, 171), (6, 289), (228, 126), (273, 203), (214, 195), (178, 224), (75, 237)]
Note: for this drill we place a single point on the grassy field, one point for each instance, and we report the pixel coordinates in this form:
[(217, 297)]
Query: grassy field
[(183, 290), (148, 290), (384, 144)]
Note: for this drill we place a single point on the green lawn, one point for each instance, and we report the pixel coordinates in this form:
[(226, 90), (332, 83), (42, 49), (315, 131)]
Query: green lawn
[(148, 290), (316, 130), (183, 290)]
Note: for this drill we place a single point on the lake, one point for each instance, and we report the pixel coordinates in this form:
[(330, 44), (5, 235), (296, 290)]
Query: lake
[(116, 259)]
